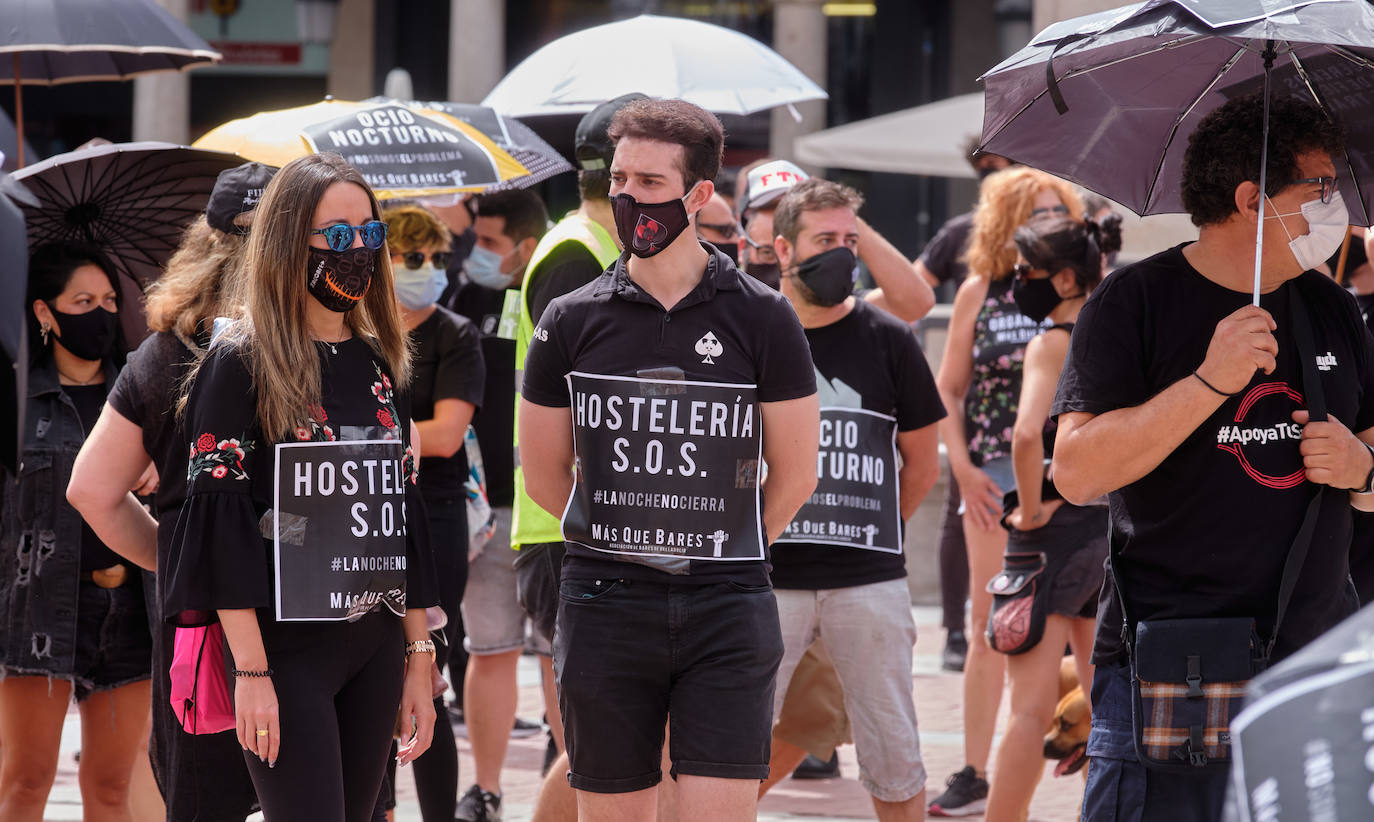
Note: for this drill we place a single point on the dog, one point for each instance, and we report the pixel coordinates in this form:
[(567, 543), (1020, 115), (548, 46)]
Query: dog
[(1066, 741)]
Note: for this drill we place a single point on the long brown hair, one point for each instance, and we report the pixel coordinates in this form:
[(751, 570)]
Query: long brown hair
[(1004, 204), (197, 281), (282, 358)]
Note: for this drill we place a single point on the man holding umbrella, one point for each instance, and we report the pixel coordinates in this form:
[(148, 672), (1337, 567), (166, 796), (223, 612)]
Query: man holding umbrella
[(1196, 413)]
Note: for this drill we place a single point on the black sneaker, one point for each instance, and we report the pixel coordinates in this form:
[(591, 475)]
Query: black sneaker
[(956, 648), (813, 768), (478, 806), (965, 795)]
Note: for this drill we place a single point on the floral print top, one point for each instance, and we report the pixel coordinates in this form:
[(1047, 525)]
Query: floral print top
[(220, 552), (1000, 334)]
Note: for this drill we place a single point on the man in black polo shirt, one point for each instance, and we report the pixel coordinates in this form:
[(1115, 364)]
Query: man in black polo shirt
[(838, 568), (650, 398), (1186, 405)]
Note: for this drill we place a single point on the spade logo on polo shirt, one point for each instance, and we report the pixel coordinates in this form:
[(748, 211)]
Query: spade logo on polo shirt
[(708, 346), (649, 233)]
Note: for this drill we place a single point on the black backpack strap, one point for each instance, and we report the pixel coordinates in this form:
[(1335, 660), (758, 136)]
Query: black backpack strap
[(1316, 409)]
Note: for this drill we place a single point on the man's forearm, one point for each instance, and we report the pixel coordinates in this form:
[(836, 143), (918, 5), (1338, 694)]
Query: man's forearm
[(1114, 449), (908, 295), (784, 494)]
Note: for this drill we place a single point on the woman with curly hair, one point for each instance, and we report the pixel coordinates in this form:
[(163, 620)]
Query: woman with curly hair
[(303, 533), (980, 372), (201, 776), (1060, 263)]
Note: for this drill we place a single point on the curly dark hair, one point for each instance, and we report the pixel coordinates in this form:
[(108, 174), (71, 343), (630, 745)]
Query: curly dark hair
[(1224, 151)]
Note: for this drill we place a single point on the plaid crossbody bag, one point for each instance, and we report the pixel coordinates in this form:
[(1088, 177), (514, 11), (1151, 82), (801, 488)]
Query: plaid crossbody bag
[(1188, 676)]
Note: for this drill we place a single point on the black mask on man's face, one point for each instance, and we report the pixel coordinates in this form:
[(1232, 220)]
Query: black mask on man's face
[(647, 228), (828, 277), (770, 274)]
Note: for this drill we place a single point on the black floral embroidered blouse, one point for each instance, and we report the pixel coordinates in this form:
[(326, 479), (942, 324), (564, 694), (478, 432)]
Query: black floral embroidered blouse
[(221, 548)]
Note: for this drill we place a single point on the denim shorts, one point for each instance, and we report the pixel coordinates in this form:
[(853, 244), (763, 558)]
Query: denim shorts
[(113, 646), (1000, 471), (1120, 788), (537, 571), (492, 617), (632, 655)]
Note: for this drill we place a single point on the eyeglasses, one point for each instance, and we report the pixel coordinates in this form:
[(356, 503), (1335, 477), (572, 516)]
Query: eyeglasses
[(1328, 186), (1061, 209), (340, 235), (415, 259), (765, 251), (726, 230)]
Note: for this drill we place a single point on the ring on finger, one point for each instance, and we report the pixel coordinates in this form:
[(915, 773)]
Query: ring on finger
[(262, 732)]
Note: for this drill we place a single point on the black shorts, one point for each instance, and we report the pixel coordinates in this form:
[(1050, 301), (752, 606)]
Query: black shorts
[(631, 656), (1074, 542), (113, 645), (537, 568)]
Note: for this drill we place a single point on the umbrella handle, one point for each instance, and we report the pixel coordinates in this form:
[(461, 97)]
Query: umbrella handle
[(1269, 54)]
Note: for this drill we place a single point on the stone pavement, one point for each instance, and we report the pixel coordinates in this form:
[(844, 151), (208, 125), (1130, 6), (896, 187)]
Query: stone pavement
[(938, 696)]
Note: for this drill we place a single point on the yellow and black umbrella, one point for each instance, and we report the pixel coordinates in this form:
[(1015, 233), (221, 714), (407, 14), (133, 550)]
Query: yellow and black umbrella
[(401, 151)]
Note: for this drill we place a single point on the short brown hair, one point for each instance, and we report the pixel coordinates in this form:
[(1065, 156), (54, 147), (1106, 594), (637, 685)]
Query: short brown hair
[(681, 123), (413, 227), (814, 194)]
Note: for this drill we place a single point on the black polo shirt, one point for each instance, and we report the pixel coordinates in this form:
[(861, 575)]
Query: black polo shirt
[(730, 330)]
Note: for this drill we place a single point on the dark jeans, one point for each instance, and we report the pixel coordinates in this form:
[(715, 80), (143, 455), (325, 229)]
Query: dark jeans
[(1120, 788), (631, 655), (953, 561), (338, 689), (537, 571)]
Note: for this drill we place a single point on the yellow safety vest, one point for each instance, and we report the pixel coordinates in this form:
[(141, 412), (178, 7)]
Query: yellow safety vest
[(531, 524)]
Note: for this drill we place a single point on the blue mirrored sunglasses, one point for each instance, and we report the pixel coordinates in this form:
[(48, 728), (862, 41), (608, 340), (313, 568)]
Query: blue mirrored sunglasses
[(340, 235)]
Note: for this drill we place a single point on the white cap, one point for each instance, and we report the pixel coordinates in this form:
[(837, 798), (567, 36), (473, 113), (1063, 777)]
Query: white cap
[(768, 182)]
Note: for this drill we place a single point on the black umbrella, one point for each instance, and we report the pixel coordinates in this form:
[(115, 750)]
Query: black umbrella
[(1108, 100), (1302, 746), (14, 356), (46, 42), (132, 200), (542, 159)]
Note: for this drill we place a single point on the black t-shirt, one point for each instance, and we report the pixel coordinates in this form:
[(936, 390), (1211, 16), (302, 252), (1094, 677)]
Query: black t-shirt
[(1206, 533), (944, 254), (729, 330), (448, 365), (871, 360), (568, 267), (89, 399), (146, 394), (495, 420)]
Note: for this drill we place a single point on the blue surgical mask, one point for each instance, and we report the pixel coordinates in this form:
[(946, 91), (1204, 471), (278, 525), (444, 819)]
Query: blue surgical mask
[(483, 267), (419, 288)]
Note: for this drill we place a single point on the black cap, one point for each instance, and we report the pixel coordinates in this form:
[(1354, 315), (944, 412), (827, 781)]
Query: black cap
[(236, 191), (593, 149)]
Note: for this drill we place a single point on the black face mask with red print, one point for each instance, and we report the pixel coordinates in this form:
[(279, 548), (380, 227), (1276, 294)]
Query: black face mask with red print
[(647, 228)]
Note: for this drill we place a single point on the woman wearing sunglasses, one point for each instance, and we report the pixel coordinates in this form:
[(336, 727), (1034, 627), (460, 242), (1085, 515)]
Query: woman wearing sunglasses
[(445, 390), (294, 534), (1060, 262), (980, 372)]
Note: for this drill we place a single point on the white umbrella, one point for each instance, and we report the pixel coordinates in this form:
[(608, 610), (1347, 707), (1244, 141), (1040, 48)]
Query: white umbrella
[(718, 69), (927, 139)]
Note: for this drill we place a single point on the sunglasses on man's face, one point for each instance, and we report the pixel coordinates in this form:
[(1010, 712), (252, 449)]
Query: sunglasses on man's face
[(726, 230), (340, 235), (1328, 186), (413, 260), (1060, 210)]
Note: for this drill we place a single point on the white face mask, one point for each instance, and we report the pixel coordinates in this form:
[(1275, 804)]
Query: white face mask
[(1327, 225)]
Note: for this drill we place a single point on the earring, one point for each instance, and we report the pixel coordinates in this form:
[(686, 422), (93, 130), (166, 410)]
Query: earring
[(43, 332)]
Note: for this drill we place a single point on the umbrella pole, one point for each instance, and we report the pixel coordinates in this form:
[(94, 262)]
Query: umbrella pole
[(1269, 55), (18, 113)]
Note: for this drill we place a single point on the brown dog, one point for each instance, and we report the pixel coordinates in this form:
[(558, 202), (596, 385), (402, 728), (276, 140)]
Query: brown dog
[(1067, 739)]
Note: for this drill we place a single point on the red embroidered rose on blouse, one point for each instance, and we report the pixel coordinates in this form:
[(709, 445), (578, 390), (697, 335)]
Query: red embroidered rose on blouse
[(205, 442), (384, 417)]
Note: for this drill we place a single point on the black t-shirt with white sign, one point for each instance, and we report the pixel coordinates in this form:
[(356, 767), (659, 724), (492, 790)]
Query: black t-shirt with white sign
[(873, 380), (1206, 533), (687, 383), (494, 421)]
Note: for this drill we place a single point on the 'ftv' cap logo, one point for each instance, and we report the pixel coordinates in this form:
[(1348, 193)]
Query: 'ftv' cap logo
[(708, 346), (649, 233)]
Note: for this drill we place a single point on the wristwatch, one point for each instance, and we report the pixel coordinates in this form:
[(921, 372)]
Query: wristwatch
[(420, 646)]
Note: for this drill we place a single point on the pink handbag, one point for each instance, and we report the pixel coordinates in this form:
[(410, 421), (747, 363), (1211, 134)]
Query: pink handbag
[(200, 690)]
